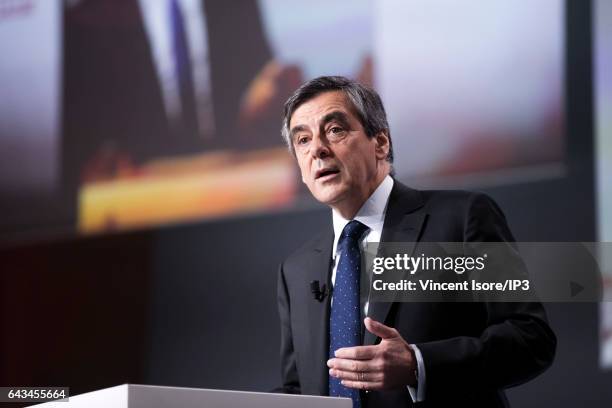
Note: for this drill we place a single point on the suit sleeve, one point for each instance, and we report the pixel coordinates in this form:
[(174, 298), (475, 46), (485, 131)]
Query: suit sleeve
[(289, 373), (516, 344)]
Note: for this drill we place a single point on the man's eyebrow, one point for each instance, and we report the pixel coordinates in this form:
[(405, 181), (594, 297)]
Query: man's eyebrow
[(338, 116), (295, 130)]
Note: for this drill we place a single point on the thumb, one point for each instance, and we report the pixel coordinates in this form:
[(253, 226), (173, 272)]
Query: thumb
[(379, 329)]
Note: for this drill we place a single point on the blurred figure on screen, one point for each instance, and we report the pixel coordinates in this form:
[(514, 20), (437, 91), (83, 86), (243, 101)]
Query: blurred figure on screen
[(147, 79)]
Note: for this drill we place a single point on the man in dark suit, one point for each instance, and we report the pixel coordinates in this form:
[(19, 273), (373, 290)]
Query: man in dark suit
[(428, 354)]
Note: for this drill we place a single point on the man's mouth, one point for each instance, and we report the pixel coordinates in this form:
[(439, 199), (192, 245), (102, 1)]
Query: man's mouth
[(327, 172)]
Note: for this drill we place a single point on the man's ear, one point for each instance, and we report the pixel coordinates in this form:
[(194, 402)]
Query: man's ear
[(382, 145)]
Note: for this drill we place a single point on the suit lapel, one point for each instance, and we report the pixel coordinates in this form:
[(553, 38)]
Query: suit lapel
[(403, 223), (318, 311)]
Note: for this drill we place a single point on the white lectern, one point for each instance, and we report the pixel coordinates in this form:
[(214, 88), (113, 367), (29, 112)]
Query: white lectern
[(149, 396)]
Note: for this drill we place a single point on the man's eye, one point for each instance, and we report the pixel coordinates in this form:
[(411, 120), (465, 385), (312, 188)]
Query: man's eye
[(302, 140), (335, 130)]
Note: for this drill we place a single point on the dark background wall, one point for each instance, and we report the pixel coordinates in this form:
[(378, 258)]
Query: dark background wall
[(194, 305)]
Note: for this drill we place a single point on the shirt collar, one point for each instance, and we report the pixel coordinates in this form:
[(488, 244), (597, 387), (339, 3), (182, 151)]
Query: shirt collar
[(371, 213)]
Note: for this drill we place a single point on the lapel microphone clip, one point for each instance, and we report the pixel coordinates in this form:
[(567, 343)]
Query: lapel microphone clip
[(318, 293)]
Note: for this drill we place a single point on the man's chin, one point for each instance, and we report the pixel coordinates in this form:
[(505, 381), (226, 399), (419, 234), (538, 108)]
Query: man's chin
[(327, 196)]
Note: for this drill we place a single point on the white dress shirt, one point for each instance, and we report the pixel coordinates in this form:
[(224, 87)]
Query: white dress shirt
[(372, 215)]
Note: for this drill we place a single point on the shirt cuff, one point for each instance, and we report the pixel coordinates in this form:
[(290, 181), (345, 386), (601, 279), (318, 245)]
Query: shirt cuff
[(418, 393)]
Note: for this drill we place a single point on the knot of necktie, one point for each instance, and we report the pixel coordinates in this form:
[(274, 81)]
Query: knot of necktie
[(353, 230)]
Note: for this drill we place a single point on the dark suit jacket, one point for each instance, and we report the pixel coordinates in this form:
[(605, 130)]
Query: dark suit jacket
[(471, 351)]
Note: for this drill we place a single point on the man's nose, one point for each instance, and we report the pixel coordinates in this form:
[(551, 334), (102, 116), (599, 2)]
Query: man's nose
[(319, 148)]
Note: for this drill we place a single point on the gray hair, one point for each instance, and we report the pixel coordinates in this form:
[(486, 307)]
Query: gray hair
[(367, 106)]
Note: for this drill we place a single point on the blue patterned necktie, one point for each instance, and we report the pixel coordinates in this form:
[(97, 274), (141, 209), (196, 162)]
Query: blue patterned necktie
[(345, 318), (183, 68)]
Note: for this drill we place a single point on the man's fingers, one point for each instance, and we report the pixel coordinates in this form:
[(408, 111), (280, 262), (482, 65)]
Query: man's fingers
[(363, 385), (350, 365), (379, 329), (357, 352), (356, 376)]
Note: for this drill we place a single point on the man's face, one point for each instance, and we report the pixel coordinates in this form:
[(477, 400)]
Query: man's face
[(340, 165)]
